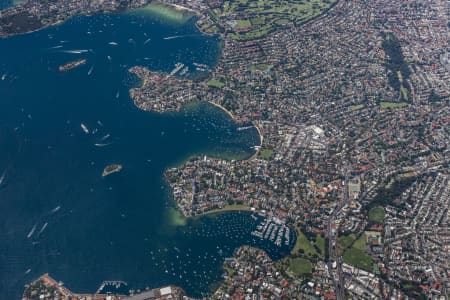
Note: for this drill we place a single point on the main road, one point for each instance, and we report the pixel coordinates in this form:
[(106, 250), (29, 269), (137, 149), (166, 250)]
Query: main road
[(332, 236)]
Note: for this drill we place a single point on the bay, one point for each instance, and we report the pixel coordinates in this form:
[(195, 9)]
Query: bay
[(57, 213)]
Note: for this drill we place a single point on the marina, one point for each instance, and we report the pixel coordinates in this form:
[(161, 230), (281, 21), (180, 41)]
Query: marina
[(178, 67), (112, 286), (274, 230)]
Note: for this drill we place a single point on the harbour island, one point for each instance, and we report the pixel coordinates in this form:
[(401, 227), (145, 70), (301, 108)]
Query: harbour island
[(72, 65), (110, 169)]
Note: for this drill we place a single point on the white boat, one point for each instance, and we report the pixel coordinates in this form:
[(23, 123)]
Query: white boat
[(4, 76), (55, 209), (113, 43), (173, 37), (102, 145), (31, 231), (200, 65), (178, 67), (75, 51), (90, 70), (85, 129), (43, 228), (146, 41), (2, 178), (104, 137)]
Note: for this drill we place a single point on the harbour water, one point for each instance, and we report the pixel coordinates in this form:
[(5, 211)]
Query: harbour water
[(4, 4), (58, 130)]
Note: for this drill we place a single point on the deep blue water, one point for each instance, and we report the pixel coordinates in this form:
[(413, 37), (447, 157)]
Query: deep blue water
[(88, 228), (6, 3)]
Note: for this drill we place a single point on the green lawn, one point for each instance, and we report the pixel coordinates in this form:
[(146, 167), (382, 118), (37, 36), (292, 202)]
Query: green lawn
[(215, 83), (320, 242), (393, 104), (243, 23), (258, 21), (358, 259), (346, 241), (260, 67), (399, 76), (269, 14), (303, 244), (265, 153), (404, 92), (356, 107), (300, 266), (357, 256), (360, 243), (376, 214), (281, 21), (230, 207)]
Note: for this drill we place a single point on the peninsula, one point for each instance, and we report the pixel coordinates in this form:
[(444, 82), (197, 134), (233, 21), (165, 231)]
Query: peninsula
[(47, 288)]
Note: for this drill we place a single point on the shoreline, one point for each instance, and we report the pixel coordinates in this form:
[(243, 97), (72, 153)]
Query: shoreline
[(261, 136), (261, 139), (180, 7), (229, 113), (226, 208), (168, 12)]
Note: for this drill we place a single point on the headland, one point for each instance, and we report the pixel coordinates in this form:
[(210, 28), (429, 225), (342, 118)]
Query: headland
[(45, 287)]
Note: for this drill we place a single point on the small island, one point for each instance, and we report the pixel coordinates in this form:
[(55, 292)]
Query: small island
[(71, 65), (111, 169)]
